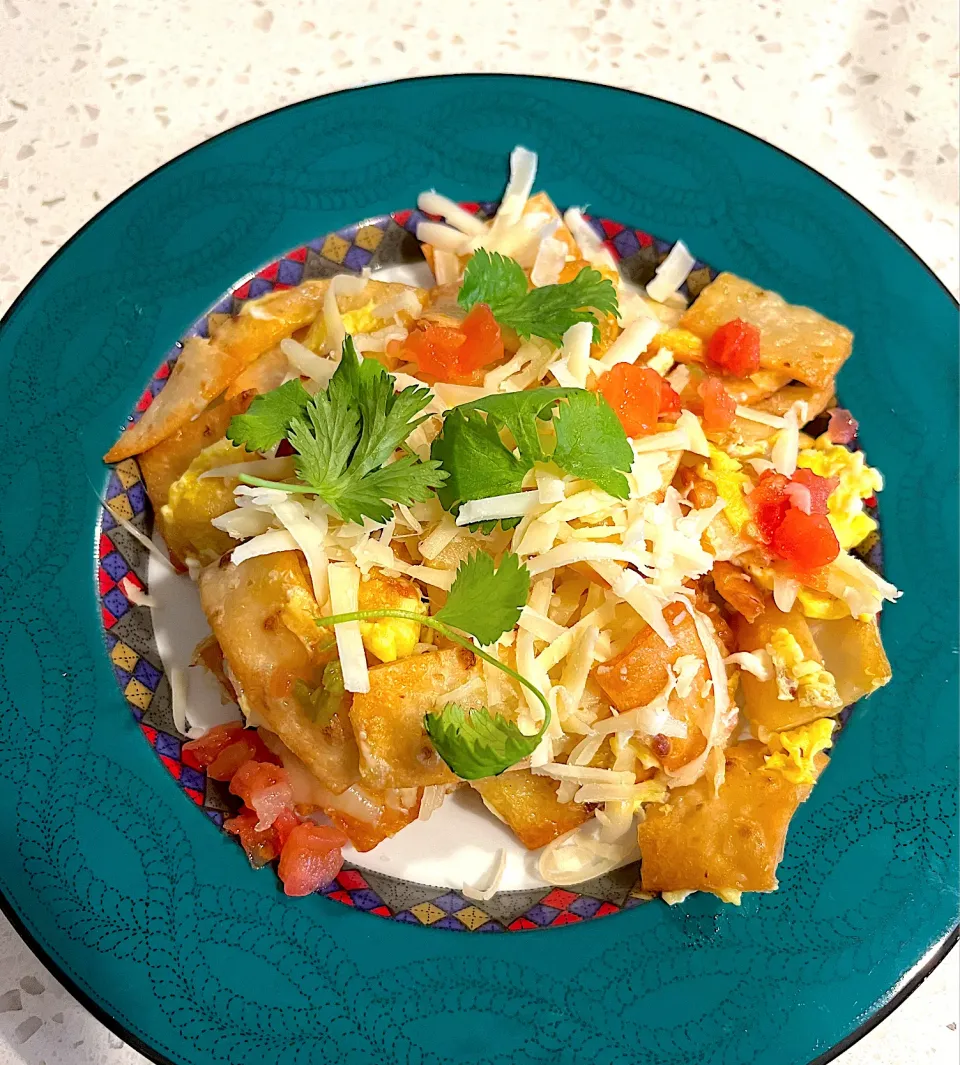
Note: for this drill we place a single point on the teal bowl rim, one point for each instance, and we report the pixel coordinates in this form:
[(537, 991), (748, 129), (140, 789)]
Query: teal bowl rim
[(932, 957)]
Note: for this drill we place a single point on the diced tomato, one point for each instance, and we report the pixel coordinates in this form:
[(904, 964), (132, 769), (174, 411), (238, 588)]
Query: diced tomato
[(769, 503), (807, 541), (261, 847), (669, 402), (434, 350), (285, 823), (820, 488), (484, 343), (735, 348), (265, 788), (214, 741), (455, 355), (639, 396), (224, 748), (719, 407), (310, 858)]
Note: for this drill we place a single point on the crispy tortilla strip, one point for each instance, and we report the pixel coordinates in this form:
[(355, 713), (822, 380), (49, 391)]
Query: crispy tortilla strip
[(793, 340), (528, 804), (395, 750), (731, 841), (246, 607), (264, 374), (206, 367), (760, 698), (367, 816), (853, 652), (167, 462), (639, 674)]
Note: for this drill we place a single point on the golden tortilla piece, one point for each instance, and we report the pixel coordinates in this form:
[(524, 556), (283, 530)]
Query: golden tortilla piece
[(731, 841), (793, 340), (245, 607), (395, 750), (528, 804)]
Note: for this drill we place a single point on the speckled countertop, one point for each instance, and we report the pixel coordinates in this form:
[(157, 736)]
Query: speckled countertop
[(95, 95)]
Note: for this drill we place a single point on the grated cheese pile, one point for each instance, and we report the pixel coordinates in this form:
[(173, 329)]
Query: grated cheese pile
[(604, 570)]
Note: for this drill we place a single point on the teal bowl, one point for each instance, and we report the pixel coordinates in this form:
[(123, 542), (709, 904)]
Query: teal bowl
[(156, 921)]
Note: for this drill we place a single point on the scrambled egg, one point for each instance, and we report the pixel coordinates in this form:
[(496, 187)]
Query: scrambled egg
[(801, 678), (685, 345), (390, 638), (362, 320), (794, 753), (816, 604), (858, 482), (300, 614), (725, 474), (193, 503)]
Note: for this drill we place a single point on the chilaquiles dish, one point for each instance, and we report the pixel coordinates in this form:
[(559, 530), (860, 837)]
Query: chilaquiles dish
[(532, 531)]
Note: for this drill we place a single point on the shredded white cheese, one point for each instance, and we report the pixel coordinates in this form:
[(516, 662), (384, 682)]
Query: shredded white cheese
[(272, 469), (432, 202), (341, 285), (671, 273), (136, 595), (631, 343), (785, 592), (446, 267), (549, 263), (268, 543), (757, 663), (591, 246), (761, 417), (513, 505), (689, 423), (310, 534), (305, 362), (786, 447), (443, 238), (488, 885), (344, 582), (432, 800), (440, 537), (523, 170)]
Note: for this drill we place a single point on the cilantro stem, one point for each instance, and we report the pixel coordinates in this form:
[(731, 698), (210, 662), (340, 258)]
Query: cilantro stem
[(444, 630), (259, 482)]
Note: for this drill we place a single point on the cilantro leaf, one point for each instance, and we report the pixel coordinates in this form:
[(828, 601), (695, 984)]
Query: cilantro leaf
[(266, 421), (546, 312), (345, 436), (476, 461), (405, 481), (475, 743), (495, 280), (518, 412), (484, 601), (591, 442)]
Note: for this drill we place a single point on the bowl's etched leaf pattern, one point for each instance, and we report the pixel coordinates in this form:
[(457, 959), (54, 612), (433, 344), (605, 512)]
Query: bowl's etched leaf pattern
[(158, 918)]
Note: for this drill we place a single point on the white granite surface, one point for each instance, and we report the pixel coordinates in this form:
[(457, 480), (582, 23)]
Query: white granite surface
[(94, 95)]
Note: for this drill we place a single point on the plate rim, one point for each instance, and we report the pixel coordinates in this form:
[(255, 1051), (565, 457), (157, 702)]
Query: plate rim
[(934, 954)]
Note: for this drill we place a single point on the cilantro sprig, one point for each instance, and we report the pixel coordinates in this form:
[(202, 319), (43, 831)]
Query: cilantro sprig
[(546, 312), (590, 443), (343, 438), (484, 602)]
